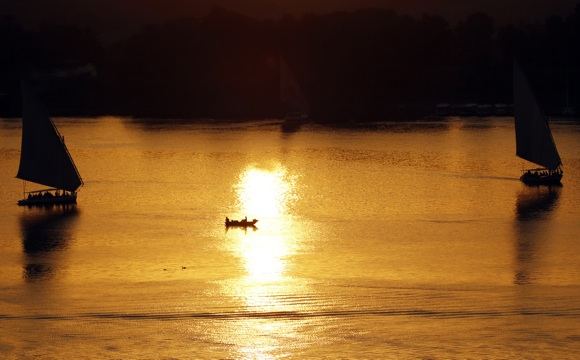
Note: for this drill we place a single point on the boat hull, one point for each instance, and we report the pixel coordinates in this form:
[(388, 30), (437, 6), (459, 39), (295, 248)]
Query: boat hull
[(534, 178), (241, 224), (49, 201)]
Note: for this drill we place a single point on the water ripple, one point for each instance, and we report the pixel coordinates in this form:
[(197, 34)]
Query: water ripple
[(290, 315)]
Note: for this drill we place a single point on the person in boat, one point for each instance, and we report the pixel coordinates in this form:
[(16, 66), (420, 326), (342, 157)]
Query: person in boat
[(245, 219), (227, 219)]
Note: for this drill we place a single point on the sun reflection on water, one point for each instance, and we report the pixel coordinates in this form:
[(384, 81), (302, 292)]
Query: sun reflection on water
[(266, 255), (263, 258), (265, 195)]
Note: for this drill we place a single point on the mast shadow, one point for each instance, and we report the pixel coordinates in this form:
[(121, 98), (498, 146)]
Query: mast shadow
[(533, 208), (45, 232)]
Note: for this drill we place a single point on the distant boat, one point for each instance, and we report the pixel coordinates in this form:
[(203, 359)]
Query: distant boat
[(44, 157), (240, 223), (534, 141), (295, 103)]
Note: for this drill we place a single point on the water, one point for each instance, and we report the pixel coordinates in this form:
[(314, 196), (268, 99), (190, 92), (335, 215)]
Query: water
[(414, 240)]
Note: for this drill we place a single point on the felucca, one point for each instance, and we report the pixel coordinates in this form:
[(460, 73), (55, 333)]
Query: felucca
[(534, 141), (44, 157)]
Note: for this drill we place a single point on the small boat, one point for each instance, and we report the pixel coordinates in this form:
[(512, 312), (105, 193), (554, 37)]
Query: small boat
[(240, 223), (44, 157), (534, 141)]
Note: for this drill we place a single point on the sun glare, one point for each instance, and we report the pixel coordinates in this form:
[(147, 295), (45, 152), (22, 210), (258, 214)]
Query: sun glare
[(265, 194), (266, 254)]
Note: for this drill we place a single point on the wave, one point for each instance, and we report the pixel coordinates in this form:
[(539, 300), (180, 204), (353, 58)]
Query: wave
[(297, 315)]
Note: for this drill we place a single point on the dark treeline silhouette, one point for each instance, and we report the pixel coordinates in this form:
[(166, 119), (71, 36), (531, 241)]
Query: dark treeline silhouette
[(364, 65)]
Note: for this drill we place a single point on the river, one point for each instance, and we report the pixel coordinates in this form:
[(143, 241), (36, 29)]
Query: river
[(400, 241)]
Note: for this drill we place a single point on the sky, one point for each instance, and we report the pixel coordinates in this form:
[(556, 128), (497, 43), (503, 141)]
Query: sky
[(121, 16)]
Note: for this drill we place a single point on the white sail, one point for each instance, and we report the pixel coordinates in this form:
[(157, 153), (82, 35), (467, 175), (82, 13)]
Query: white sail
[(534, 141), (44, 158)]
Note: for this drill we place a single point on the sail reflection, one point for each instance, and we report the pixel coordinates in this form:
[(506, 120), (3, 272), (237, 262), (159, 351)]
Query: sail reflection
[(532, 207), (45, 232), (536, 203)]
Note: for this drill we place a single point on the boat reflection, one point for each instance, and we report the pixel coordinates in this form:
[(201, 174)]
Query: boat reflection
[(45, 233), (533, 207), (266, 258)]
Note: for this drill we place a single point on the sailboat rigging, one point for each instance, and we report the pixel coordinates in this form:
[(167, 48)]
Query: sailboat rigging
[(534, 141), (293, 99), (44, 157)]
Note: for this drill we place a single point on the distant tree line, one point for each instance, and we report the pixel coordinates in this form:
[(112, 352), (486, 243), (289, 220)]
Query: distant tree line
[(364, 65)]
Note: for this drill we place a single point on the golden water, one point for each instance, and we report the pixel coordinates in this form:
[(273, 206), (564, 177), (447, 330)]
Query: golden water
[(415, 240)]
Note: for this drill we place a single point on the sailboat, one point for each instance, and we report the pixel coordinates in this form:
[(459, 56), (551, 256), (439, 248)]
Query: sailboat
[(534, 141), (291, 95), (44, 157)]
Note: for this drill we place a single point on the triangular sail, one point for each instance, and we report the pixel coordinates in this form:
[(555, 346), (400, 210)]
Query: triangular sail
[(44, 158), (290, 92), (534, 141)]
